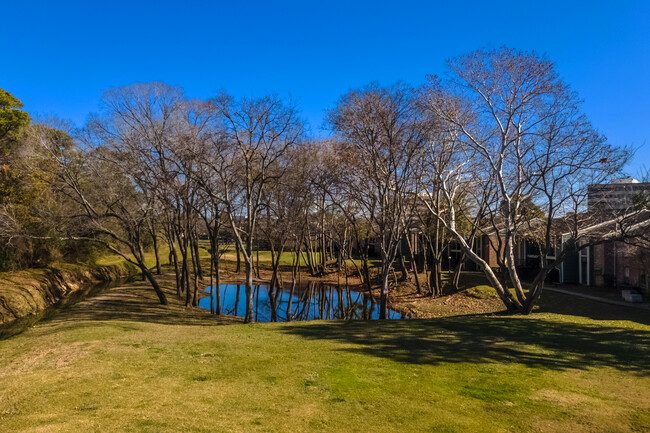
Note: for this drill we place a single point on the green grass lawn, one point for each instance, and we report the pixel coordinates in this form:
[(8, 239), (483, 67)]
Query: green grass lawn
[(288, 258), (149, 257), (230, 255), (119, 362)]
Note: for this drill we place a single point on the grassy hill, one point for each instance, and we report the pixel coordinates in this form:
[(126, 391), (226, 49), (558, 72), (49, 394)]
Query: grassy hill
[(120, 362)]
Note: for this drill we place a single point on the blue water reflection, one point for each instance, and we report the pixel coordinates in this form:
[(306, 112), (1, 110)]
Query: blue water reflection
[(313, 301)]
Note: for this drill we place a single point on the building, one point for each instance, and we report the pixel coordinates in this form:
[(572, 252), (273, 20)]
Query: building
[(613, 258), (526, 251), (618, 195)]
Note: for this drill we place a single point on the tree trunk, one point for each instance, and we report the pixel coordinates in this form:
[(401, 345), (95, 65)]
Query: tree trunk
[(156, 287), (173, 258), (195, 269), (238, 270), (383, 300), (435, 280), (323, 256), (402, 265), (154, 237), (195, 245), (455, 281), (536, 290), (211, 273), (249, 318), (414, 265), (310, 262), (217, 259), (257, 260), (425, 266), (186, 274)]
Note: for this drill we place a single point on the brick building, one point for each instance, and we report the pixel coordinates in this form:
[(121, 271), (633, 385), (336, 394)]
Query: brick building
[(610, 262)]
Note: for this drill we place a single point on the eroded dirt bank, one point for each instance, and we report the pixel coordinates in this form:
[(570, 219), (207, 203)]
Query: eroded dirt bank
[(31, 291)]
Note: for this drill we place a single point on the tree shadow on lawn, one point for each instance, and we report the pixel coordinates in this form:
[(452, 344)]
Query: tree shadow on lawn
[(532, 342), (560, 303), (133, 302)]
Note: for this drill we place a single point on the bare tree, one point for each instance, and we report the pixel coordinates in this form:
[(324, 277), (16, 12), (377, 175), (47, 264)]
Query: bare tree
[(523, 140), (382, 128), (112, 211), (258, 134)]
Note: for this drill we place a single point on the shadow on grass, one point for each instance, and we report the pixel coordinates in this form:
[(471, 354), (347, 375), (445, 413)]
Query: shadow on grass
[(65, 303), (476, 339), (133, 309), (560, 303), (133, 301)]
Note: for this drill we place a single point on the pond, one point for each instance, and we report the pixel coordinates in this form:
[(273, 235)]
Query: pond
[(313, 301)]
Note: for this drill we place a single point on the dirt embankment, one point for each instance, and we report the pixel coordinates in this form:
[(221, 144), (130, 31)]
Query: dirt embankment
[(23, 293)]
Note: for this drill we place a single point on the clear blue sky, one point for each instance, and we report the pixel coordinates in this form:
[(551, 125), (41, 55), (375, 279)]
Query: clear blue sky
[(58, 56)]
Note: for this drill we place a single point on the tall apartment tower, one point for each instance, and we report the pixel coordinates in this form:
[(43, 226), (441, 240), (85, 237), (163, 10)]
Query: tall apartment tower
[(617, 195)]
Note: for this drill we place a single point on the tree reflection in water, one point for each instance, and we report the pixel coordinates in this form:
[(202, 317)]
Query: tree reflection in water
[(313, 301)]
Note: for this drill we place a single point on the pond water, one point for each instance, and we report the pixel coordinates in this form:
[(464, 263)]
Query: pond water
[(314, 301)]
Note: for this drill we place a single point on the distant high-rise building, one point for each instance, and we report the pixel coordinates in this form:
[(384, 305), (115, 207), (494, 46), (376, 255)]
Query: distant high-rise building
[(618, 195)]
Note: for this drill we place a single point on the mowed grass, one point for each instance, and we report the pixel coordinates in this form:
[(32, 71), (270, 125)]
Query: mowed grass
[(119, 362), (288, 258), (229, 256), (149, 257)]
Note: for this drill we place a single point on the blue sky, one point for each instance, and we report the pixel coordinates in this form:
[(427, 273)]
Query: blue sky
[(59, 56)]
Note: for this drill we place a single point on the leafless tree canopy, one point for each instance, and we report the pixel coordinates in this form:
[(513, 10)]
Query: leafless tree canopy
[(511, 120), (498, 148)]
